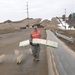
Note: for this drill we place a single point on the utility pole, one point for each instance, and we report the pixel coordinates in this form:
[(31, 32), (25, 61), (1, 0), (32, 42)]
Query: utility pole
[(65, 18), (73, 6), (27, 13)]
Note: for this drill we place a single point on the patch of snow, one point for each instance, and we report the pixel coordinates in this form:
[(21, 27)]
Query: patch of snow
[(60, 26)]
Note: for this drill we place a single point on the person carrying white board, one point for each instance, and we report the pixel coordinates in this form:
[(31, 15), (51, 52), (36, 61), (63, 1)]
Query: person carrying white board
[(35, 33)]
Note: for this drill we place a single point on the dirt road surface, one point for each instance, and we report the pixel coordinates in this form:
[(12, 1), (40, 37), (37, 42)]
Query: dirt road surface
[(9, 43)]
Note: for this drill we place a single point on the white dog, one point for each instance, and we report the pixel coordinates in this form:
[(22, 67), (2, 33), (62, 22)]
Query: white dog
[(2, 58), (20, 58), (30, 50), (17, 52)]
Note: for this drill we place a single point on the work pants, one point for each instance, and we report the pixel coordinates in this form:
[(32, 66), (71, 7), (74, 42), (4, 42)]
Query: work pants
[(36, 50)]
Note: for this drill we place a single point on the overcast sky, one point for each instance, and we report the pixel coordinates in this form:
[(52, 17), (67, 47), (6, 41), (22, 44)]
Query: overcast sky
[(46, 9)]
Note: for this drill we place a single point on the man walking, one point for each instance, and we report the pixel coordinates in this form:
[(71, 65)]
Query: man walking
[(35, 47)]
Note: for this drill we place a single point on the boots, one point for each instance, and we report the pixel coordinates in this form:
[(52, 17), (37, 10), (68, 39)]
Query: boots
[(36, 59)]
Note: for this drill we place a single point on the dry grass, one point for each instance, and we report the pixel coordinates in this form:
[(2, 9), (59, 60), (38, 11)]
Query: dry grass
[(15, 26), (67, 32), (50, 27)]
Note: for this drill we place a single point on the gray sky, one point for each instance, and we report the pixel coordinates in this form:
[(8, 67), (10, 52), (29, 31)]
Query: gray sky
[(46, 9)]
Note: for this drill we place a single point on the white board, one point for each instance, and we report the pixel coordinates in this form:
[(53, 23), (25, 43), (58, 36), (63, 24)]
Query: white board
[(45, 42), (24, 43), (39, 41)]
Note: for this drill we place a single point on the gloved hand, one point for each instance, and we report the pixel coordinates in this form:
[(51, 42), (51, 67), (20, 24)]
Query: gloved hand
[(37, 44), (30, 43)]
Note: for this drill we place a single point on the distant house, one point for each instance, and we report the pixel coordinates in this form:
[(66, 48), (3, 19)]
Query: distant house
[(22, 27), (38, 25)]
